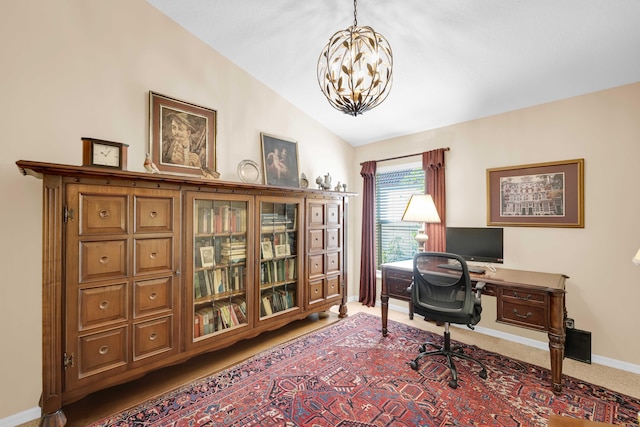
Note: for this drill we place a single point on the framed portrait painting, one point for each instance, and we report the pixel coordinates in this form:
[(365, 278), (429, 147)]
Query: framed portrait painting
[(280, 161), (537, 195), (182, 136)]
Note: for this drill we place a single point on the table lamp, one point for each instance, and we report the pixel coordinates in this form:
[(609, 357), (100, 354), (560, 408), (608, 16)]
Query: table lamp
[(421, 209), (636, 259)]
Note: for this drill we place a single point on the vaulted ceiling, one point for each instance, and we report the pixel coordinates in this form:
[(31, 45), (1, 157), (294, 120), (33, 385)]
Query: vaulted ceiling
[(454, 60)]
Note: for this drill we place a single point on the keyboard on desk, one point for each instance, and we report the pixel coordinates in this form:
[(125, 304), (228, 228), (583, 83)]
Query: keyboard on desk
[(458, 267)]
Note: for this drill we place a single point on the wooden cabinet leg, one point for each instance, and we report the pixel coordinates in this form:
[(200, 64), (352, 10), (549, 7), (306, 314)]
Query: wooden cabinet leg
[(57, 419)]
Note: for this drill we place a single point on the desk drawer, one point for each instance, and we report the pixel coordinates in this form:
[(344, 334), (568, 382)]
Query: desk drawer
[(528, 316), (523, 307), (397, 283)]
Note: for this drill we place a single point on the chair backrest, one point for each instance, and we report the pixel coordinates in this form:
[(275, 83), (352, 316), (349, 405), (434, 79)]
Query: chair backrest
[(442, 288)]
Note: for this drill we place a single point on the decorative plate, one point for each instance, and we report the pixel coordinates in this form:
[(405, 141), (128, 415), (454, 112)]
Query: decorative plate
[(249, 171)]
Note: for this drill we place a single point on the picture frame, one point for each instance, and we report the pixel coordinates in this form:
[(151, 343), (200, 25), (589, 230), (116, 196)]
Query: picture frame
[(537, 195), (207, 255), (280, 161), (182, 136), (267, 250), (281, 251)]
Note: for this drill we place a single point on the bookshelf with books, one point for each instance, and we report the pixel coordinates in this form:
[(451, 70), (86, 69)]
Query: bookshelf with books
[(143, 271), (218, 264), (279, 290)]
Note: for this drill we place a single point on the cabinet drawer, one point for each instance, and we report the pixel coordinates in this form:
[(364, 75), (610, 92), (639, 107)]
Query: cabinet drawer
[(333, 286), (316, 289), (316, 265), (153, 215), (152, 337), (316, 214), (152, 296), (333, 214), (153, 255), (102, 351), (531, 316), (316, 240), (102, 214), (333, 262), (103, 260), (103, 305), (333, 238)]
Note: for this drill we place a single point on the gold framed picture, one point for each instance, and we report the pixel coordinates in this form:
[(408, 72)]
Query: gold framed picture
[(537, 195)]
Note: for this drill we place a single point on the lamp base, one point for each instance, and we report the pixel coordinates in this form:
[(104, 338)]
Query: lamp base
[(421, 238)]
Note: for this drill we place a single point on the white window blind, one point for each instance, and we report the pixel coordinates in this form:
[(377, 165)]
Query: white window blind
[(395, 240)]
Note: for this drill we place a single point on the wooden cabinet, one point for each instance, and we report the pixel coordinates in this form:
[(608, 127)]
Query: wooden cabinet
[(325, 255), (121, 292), (141, 271)]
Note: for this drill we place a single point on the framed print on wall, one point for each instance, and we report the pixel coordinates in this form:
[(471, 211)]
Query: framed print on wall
[(182, 136), (280, 161), (537, 195)]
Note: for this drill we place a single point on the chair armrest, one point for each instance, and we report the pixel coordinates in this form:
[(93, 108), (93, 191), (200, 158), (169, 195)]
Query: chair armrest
[(408, 290), (479, 287)]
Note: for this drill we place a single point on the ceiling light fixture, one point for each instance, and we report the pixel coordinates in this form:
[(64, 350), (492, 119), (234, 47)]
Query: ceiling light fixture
[(355, 68)]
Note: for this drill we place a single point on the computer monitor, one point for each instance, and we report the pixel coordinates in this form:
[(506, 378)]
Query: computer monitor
[(482, 244)]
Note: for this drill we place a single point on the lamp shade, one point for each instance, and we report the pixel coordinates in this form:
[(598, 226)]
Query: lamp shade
[(421, 208), (636, 258)]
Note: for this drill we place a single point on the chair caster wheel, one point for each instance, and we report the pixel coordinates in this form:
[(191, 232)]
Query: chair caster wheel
[(422, 348), (483, 374), (414, 365), (453, 384)]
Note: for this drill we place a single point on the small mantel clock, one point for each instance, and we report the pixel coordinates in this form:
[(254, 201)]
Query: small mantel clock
[(104, 154)]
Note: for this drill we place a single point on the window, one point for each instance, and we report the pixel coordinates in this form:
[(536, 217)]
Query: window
[(395, 240)]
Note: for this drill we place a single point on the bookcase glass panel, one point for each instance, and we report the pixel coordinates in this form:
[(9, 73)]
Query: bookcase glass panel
[(278, 257), (219, 270)]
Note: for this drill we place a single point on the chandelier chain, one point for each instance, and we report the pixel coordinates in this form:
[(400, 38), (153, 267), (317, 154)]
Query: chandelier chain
[(355, 13)]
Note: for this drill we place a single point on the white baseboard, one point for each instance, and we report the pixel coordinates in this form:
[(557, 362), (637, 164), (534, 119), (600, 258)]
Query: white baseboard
[(21, 417)]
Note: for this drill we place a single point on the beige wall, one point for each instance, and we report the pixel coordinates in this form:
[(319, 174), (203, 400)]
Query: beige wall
[(604, 129), (74, 68), (77, 68)]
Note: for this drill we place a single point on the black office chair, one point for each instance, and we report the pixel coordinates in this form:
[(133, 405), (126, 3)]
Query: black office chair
[(442, 291)]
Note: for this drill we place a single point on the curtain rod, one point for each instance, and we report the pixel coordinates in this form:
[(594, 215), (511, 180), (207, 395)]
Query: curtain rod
[(400, 157)]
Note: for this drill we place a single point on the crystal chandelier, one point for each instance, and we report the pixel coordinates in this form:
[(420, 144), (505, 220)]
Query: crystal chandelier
[(355, 68)]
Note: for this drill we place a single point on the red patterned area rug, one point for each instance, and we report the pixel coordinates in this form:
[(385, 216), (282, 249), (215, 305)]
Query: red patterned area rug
[(348, 375)]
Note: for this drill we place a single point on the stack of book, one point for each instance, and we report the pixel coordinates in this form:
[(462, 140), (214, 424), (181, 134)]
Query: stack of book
[(233, 252), (271, 222)]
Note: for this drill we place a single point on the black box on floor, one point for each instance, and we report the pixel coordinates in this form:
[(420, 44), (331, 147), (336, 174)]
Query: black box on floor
[(578, 345)]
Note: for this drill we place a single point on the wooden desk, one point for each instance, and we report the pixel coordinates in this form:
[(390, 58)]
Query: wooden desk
[(527, 299)]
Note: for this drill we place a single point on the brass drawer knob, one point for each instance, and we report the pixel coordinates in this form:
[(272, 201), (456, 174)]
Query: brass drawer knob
[(103, 305), (103, 350)]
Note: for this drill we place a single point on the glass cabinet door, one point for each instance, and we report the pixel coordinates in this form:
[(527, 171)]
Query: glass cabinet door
[(280, 256), (218, 260)]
